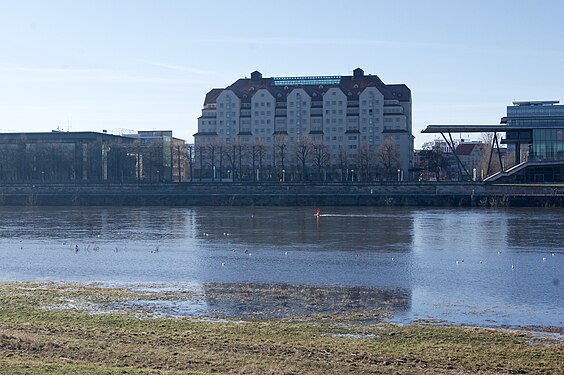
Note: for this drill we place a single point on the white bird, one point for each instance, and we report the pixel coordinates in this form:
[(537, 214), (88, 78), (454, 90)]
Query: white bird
[(392, 259), (499, 252), (233, 250), (285, 253), (457, 262), (543, 259), (481, 262), (552, 254), (222, 264), (512, 267)]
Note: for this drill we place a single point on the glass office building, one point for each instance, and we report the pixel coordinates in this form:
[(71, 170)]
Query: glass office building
[(539, 124)]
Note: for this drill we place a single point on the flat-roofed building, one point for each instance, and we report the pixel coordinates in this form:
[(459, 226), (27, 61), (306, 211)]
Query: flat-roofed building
[(258, 127), (91, 157), (539, 124), (534, 129)]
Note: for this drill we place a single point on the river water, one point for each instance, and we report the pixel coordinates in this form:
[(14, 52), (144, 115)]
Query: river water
[(482, 266)]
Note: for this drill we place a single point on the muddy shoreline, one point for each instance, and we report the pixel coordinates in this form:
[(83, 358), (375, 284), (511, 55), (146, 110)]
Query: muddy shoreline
[(65, 328)]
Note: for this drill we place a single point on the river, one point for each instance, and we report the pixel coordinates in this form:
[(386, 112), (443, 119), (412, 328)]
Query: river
[(489, 267)]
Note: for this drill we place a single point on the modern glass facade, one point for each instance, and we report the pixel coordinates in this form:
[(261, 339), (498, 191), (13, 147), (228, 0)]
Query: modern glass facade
[(539, 124), (317, 80), (548, 144)]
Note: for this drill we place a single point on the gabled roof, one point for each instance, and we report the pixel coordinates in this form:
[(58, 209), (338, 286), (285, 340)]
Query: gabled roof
[(465, 148), (351, 86), (212, 96)]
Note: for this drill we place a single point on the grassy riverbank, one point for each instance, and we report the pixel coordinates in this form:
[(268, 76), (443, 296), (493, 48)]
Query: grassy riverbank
[(69, 329)]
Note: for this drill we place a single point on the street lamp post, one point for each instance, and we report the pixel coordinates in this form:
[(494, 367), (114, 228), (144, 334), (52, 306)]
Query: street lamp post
[(352, 175), (283, 175), (229, 174), (399, 175)]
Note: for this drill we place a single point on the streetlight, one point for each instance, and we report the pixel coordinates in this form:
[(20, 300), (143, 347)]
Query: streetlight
[(352, 175), (229, 173), (399, 175), (158, 176), (214, 172), (283, 175), (42, 176)]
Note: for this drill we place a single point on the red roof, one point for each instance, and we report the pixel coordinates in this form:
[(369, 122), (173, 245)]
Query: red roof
[(465, 148)]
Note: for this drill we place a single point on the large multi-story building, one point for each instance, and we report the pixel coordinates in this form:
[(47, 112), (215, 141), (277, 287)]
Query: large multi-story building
[(305, 127), (539, 124)]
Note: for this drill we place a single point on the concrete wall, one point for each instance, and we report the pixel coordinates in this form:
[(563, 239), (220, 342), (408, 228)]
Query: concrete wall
[(284, 194)]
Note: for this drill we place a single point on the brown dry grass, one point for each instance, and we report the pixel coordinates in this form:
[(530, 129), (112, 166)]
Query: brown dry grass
[(35, 339)]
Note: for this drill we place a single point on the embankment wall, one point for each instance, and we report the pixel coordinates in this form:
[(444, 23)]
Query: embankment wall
[(283, 194)]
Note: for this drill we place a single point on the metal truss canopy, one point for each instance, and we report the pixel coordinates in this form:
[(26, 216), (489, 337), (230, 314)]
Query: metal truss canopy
[(449, 129), (464, 129)]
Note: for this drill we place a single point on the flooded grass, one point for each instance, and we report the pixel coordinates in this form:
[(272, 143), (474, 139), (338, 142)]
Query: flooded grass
[(89, 329)]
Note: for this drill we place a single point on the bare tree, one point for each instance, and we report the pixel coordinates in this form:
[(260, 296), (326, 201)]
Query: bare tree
[(281, 148), (343, 160), (233, 155), (201, 154), (257, 152), (388, 159), (304, 148), (434, 160), (490, 162), (320, 158), (366, 161)]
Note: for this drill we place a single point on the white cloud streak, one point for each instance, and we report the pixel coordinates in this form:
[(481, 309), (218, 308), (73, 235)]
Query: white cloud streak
[(42, 74), (322, 42), (187, 69)]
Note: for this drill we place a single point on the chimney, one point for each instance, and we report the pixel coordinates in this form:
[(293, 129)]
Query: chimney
[(358, 73), (256, 76)]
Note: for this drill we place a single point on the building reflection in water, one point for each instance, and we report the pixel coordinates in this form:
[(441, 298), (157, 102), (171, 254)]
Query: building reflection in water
[(246, 300), (338, 228), (95, 222)]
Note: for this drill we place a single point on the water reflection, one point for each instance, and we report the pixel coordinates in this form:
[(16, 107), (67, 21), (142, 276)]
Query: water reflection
[(87, 222), (278, 301), (337, 228), (463, 265)]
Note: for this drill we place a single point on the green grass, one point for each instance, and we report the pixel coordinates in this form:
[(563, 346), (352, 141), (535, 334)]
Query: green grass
[(36, 337)]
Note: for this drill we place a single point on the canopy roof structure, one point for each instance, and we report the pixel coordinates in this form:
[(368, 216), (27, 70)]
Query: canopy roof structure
[(449, 129), (464, 129)]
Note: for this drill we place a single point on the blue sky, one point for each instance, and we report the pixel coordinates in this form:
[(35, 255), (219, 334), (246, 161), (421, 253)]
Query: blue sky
[(142, 65)]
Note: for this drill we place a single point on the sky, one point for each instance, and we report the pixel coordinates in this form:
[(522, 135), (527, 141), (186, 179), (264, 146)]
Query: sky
[(129, 65)]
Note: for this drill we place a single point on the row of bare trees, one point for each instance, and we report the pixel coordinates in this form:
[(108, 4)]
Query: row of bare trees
[(92, 161), (305, 160)]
